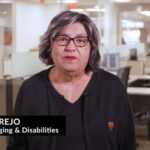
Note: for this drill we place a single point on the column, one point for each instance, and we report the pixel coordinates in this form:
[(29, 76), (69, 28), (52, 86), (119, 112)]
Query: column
[(111, 25)]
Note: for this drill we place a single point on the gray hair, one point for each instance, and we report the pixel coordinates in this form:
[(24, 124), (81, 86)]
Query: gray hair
[(57, 24)]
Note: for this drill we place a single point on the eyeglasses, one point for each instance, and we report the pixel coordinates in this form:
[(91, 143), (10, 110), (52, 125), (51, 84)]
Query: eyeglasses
[(79, 41)]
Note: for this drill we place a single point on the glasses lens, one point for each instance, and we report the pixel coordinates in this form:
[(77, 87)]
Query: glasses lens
[(81, 41), (62, 40)]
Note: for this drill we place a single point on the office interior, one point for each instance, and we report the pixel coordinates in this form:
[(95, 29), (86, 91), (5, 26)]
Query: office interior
[(124, 28)]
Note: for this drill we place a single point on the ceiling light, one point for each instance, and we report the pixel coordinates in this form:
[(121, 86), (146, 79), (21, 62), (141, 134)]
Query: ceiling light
[(146, 13), (93, 9), (77, 10), (120, 1), (67, 1), (5, 1)]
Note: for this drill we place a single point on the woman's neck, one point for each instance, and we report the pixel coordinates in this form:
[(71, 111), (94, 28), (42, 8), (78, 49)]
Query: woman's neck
[(59, 76)]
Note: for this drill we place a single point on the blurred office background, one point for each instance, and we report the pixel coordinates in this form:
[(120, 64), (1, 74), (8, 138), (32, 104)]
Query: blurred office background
[(124, 27)]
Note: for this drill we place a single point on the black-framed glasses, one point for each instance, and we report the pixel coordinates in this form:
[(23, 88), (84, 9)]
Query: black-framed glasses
[(64, 40)]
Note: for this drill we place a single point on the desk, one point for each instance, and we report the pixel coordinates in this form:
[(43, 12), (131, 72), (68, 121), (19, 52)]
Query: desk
[(138, 90), (8, 92), (147, 71), (140, 96), (136, 77)]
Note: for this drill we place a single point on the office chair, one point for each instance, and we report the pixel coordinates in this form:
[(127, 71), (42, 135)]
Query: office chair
[(137, 66), (140, 111), (123, 74), (140, 115)]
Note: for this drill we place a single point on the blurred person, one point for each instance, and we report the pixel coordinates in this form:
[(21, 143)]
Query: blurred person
[(95, 103)]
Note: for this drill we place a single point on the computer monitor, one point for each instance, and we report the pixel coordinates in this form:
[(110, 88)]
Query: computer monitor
[(111, 61), (133, 54)]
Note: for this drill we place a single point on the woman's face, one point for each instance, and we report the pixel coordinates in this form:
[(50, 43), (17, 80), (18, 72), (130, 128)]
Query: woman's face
[(70, 57)]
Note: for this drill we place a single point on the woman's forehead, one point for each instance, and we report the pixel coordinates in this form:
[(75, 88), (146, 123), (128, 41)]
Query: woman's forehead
[(74, 28)]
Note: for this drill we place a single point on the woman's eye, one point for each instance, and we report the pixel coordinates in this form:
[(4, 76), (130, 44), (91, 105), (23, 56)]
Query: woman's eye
[(81, 40), (63, 39)]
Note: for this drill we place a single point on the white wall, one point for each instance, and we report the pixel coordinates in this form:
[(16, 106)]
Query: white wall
[(1, 48), (31, 21), (25, 64), (5, 21)]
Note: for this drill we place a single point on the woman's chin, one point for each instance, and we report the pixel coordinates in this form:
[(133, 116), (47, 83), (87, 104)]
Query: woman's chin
[(71, 69)]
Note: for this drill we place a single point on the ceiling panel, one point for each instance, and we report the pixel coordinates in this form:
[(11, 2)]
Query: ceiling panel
[(131, 10), (91, 1)]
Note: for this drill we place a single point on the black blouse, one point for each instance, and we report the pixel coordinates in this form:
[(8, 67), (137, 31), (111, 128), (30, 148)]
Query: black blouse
[(74, 139)]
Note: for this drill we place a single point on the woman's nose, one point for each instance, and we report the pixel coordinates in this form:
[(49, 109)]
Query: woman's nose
[(71, 46)]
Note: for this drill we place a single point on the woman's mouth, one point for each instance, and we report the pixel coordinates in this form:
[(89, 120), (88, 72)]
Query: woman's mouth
[(70, 57)]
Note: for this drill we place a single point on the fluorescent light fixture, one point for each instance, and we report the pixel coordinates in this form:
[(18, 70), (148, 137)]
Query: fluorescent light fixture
[(67, 1), (93, 9), (5, 1), (146, 13), (77, 10), (120, 1)]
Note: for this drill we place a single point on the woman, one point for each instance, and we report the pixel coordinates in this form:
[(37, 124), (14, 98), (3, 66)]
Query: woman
[(95, 104)]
